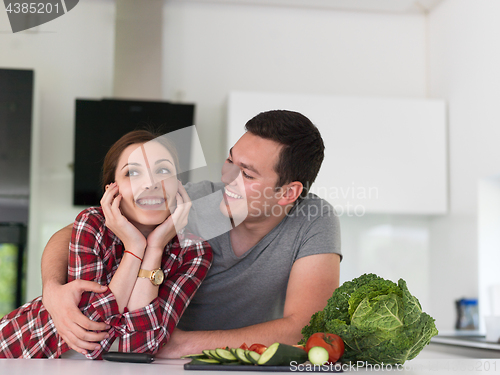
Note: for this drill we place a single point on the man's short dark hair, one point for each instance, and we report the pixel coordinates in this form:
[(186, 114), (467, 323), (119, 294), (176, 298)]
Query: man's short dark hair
[(303, 149)]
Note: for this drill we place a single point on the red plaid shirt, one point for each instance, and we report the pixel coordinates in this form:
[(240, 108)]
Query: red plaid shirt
[(95, 254)]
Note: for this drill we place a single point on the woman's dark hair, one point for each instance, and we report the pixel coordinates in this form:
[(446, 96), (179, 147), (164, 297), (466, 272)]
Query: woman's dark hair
[(303, 149), (134, 137)]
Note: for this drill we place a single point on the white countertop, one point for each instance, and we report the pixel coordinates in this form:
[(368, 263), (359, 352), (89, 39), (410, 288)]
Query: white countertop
[(471, 339), (428, 362)]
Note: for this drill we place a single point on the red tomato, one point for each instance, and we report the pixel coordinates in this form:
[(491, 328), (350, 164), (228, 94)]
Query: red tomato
[(331, 342), (244, 346), (258, 348)]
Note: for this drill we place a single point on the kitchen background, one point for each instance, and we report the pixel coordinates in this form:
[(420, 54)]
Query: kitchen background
[(200, 51)]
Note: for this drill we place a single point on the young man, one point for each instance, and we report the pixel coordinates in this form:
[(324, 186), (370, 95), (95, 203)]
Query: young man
[(277, 266)]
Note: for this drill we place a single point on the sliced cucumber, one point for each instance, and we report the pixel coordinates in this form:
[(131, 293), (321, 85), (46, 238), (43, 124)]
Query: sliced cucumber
[(252, 356), (241, 355), (225, 355), (282, 355), (233, 352), (318, 355), (212, 354), (275, 355), (194, 356), (204, 361)]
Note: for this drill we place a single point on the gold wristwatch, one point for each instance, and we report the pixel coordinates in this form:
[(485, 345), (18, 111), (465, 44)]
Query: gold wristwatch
[(156, 276)]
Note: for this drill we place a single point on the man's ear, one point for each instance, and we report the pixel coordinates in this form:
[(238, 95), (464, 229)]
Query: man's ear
[(290, 193)]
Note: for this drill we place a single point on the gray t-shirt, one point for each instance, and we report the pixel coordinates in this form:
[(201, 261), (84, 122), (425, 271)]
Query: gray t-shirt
[(251, 289)]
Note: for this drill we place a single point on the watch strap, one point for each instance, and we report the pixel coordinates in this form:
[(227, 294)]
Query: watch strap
[(145, 273)]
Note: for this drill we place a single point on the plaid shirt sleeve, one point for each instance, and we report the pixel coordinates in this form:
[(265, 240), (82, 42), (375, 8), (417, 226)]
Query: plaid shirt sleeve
[(87, 256), (145, 329), (149, 328)]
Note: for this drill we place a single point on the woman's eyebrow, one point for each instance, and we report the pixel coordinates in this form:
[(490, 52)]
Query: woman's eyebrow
[(160, 160), (137, 164)]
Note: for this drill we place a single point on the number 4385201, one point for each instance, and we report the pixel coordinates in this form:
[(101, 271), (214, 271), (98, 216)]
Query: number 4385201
[(34, 8)]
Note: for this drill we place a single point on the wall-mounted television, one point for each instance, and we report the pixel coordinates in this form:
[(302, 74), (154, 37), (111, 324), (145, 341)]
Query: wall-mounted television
[(100, 123)]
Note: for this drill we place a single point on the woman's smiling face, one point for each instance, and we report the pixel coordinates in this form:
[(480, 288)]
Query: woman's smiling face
[(147, 180)]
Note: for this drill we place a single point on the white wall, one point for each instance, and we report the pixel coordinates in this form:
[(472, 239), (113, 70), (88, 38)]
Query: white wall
[(72, 57), (211, 49), (464, 56)]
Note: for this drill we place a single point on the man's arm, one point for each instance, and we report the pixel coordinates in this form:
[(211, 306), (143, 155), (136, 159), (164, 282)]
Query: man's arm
[(61, 300), (312, 282), (55, 257)]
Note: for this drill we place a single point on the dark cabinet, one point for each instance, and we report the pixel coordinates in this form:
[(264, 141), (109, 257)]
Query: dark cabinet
[(16, 101)]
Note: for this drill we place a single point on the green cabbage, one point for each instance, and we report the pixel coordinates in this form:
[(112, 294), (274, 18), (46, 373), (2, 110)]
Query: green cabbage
[(379, 321)]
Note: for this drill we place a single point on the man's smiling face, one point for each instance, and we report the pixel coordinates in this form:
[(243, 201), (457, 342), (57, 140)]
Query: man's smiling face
[(250, 179)]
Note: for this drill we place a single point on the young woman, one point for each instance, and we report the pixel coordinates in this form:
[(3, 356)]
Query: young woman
[(133, 244)]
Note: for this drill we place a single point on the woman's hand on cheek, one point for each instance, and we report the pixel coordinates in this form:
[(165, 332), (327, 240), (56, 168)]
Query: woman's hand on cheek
[(176, 222), (117, 223)]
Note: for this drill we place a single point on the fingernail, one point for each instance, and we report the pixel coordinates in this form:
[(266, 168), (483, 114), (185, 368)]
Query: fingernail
[(107, 336), (108, 327), (97, 347)]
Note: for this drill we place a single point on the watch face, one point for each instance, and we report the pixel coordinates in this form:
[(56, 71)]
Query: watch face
[(158, 277)]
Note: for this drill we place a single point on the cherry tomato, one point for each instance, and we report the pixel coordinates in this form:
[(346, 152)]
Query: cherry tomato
[(331, 342), (244, 346), (258, 348)]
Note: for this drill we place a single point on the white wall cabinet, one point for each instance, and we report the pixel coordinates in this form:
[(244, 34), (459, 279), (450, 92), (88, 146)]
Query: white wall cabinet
[(382, 155)]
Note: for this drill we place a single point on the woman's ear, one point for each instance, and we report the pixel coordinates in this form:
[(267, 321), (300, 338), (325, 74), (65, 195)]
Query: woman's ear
[(290, 193)]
